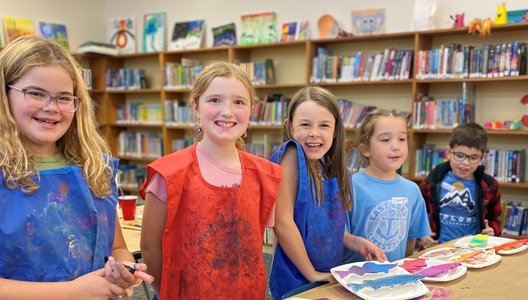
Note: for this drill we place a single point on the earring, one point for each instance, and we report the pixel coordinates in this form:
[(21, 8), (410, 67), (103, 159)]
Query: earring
[(199, 129), (244, 135)]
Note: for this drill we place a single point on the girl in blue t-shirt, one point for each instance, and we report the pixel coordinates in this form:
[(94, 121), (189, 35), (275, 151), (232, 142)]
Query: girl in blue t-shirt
[(57, 189), (314, 195), (388, 209)]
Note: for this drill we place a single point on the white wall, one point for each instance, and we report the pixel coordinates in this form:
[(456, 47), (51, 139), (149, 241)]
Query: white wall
[(218, 12), (85, 20)]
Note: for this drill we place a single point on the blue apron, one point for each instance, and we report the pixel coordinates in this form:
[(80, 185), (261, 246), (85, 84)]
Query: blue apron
[(59, 232), (322, 228)]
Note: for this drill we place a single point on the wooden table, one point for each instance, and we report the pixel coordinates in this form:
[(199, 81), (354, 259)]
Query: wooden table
[(131, 229), (507, 279)]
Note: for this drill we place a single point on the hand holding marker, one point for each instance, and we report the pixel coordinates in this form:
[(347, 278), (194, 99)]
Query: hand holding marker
[(138, 274)]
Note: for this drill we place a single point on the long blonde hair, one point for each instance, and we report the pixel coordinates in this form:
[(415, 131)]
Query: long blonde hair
[(81, 144), (333, 163), (225, 70)]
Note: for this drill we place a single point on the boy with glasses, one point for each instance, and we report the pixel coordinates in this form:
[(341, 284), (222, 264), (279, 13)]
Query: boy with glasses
[(461, 199)]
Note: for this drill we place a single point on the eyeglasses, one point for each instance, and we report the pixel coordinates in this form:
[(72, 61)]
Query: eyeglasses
[(473, 159), (40, 99)]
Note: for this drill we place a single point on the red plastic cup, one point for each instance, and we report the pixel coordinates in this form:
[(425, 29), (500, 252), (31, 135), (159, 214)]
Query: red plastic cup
[(128, 206)]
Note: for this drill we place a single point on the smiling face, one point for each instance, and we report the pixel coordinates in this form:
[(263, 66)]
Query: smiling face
[(313, 127), (223, 111), (387, 147), (41, 128)]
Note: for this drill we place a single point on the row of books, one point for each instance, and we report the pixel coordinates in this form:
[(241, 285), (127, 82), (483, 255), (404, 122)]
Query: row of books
[(133, 112), (261, 149), (389, 64), (140, 144), (259, 72), (178, 112), (125, 79), (86, 75), (515, 219), (271, 110), (180, 144), (131, 176), (506, 165), (503, 165), (353, 113), (181, 75), (466, 61), (433, 113)]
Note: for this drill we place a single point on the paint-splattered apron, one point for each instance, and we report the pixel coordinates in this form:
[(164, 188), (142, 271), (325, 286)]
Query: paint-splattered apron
[(58, 233), (321, 227)]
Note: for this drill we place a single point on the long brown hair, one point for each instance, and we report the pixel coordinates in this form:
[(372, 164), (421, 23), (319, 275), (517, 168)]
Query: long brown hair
[(81, 144), (333, 163)]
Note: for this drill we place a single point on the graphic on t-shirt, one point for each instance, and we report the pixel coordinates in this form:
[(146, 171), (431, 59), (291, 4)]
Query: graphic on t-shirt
[(387, 222), (459, 196)]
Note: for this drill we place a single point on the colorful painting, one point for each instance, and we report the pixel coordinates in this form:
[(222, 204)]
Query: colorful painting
[(154, 32), (16, 27), (122, 33), (55, 32), (187, 35), (259, 28)]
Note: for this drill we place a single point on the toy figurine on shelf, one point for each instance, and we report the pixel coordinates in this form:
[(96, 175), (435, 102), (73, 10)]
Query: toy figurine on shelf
[(474, 26), (483, 27), (524, 101), (458, 20), (502, 15), (506, 125)]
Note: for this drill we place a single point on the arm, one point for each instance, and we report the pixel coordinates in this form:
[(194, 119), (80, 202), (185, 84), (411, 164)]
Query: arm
[(364, 247), (494, 210), (154, 218), (89, 286), (285, 229), (411, 245), (428, 241)]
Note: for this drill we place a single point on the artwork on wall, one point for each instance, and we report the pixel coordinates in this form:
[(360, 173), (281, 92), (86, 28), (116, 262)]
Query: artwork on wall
[(187, 35), (259, 28), (224, 35), (123, 34), (154, 29), (15, 27), (368, 22), (54, 32)]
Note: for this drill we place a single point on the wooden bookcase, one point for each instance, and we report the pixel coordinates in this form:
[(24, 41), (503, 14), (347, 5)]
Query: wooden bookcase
[(497, 99)]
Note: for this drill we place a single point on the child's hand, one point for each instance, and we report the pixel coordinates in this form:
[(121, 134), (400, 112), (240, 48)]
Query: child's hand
[(323, 277), (369, 250), (116, 273), (487, 229), (94, 286), (429, 241)]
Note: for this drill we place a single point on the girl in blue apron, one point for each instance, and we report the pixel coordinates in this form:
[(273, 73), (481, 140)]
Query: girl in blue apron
[(314, 196), (57, 188)]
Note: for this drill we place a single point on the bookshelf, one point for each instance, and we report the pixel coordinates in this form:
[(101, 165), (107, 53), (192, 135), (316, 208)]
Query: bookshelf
[(496, 99)]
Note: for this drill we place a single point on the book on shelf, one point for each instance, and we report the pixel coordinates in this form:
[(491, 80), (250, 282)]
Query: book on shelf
[(259, 28), (97, 48), (122, 34), (54, 32), (187, 35), (154, 28), (15, 27), (224, 35), (125, 79)]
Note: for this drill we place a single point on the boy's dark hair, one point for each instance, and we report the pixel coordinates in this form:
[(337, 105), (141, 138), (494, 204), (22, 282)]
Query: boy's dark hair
[(471, 135)]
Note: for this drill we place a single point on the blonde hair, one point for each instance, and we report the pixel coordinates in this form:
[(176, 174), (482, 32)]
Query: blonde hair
[(333, 163), (81, 144), (225, 70), (366, 130)]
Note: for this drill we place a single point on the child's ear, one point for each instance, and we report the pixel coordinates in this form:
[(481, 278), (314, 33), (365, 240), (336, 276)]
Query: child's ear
[(364, 150)]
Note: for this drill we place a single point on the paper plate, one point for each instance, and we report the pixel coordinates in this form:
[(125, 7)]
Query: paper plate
[(492, 242), (406, 291), (444, 277), (442, 254)]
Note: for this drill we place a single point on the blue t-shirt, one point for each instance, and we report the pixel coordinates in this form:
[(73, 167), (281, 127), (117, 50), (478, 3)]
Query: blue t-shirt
[(386, 212), (458, 212)]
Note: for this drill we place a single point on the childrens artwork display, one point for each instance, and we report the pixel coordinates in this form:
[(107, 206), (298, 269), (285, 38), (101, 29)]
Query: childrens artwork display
[(288, 31), (55, 32), (224, 35), (187, 35), (502, 245), (434, 271), (375, 280), (122, 33), (15, 27), (259, 28), (154, 28), (368, 22), (303, 31)]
